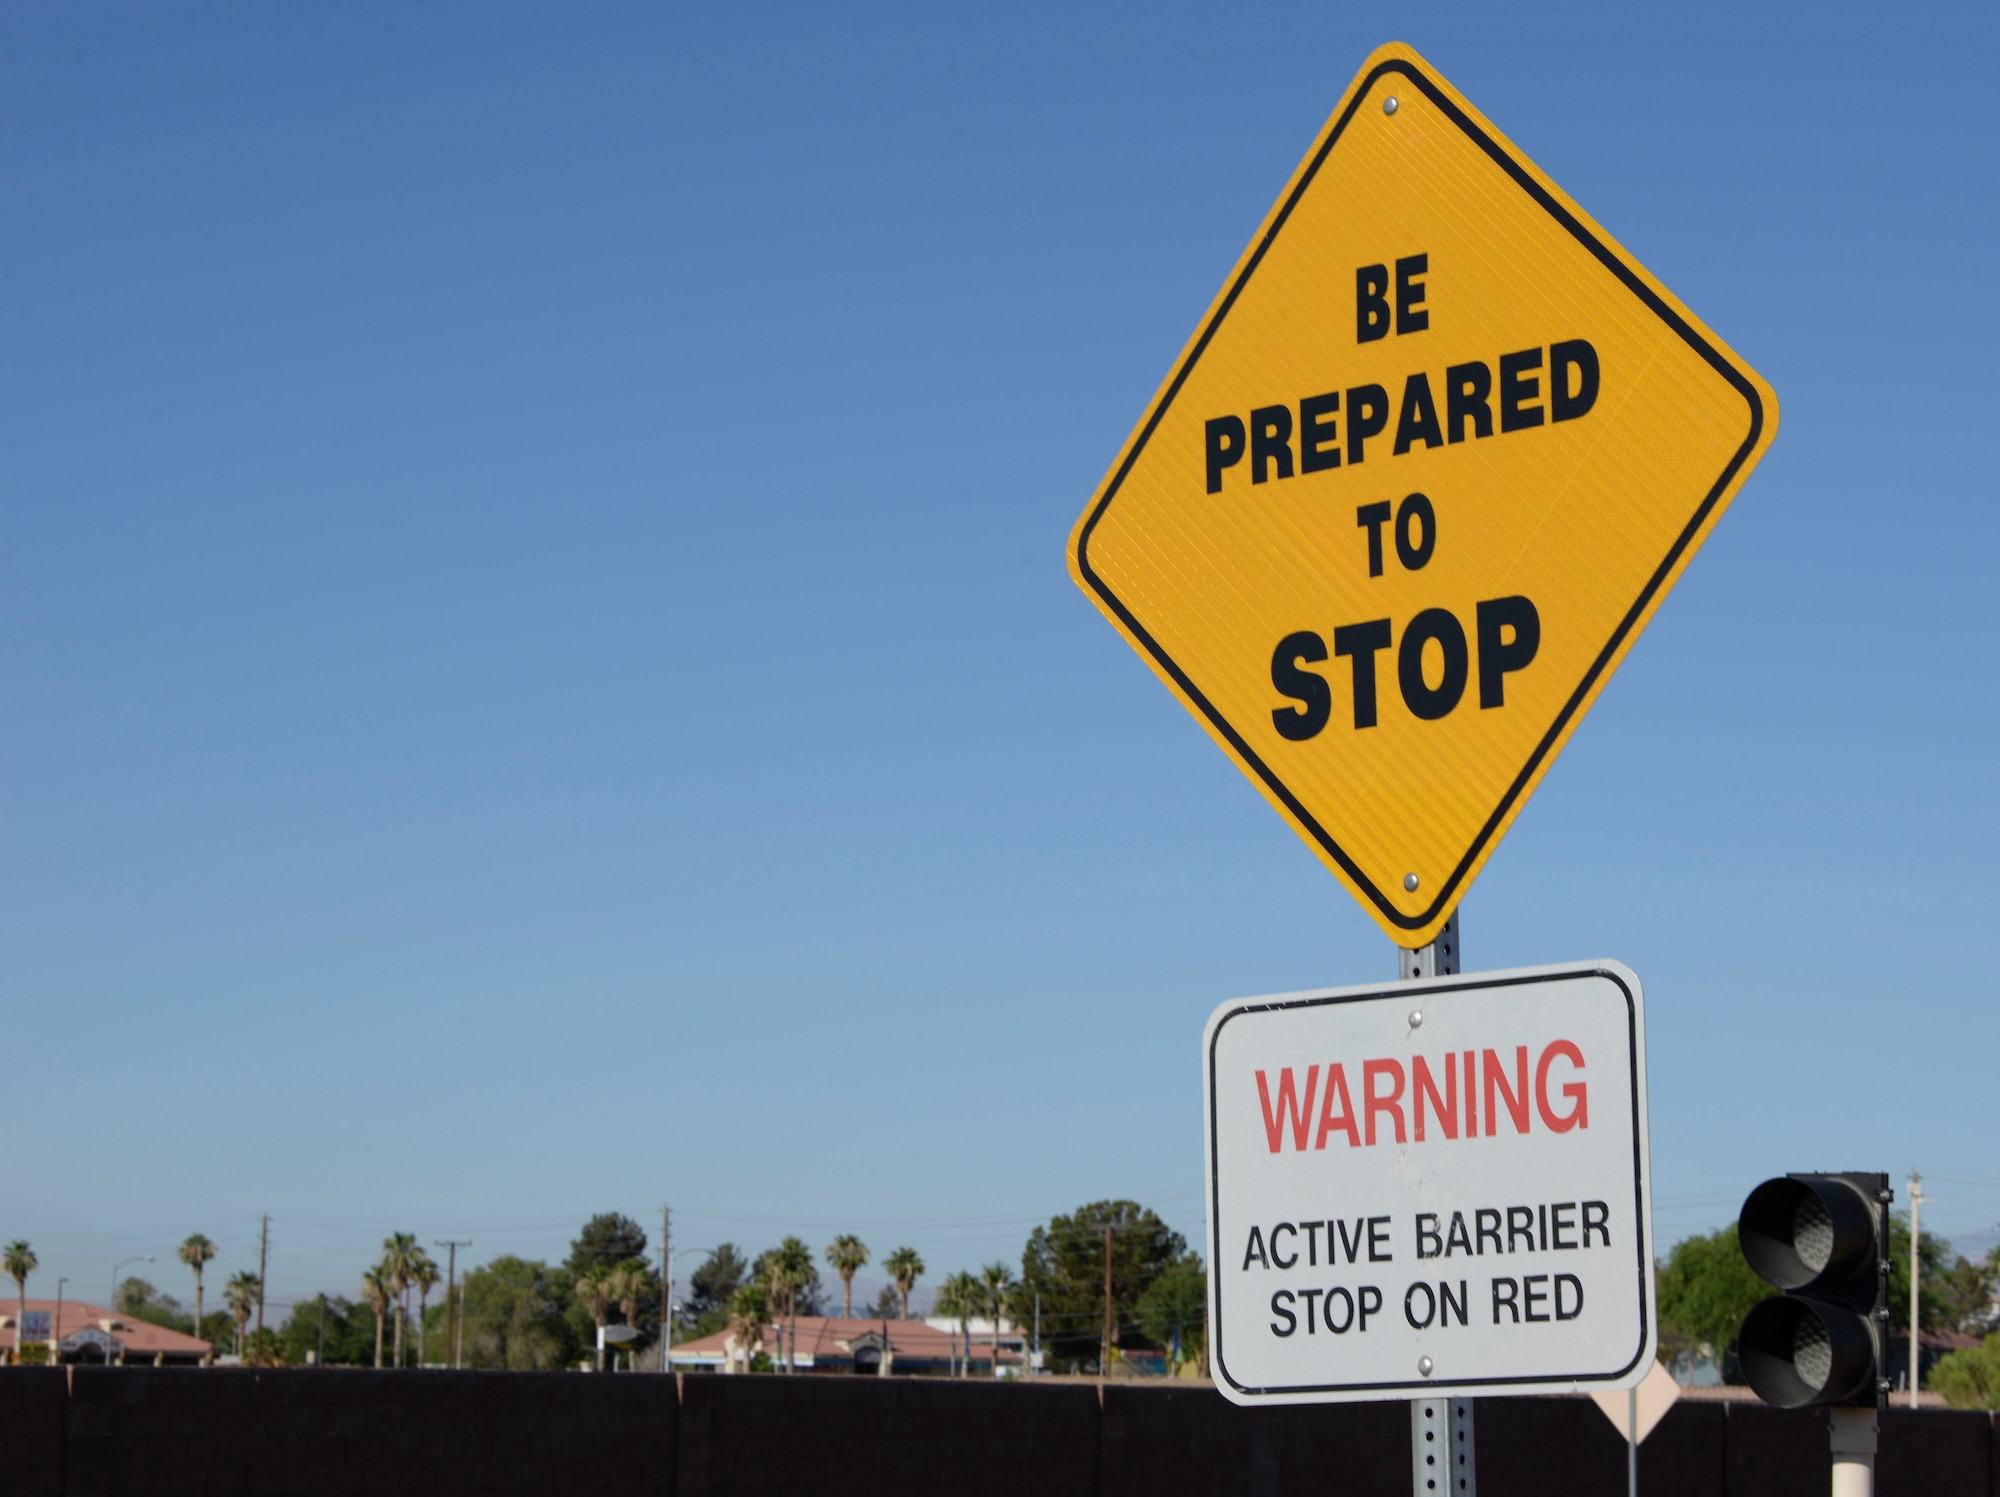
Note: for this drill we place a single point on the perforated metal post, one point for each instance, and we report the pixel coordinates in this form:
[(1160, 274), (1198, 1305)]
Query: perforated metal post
[(1442, 1460), (1441, 1447), (1439, 959)]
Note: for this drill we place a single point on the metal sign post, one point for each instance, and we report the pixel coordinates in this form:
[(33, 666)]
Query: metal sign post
[(1424, 471), (1442, 1457)]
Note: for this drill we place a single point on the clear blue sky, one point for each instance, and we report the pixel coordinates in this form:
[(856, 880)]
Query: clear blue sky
[(540, 676)]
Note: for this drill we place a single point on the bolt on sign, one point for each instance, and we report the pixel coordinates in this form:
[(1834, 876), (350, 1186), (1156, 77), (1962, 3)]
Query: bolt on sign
[(1430, 1189), (1424, 471)]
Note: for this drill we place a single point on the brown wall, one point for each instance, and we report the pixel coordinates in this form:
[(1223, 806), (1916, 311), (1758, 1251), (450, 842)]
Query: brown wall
[(138, 1432)]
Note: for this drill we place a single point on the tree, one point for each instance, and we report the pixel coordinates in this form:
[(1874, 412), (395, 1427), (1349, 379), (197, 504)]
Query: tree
[(241, 1294), (593, 1292), (399, 1266), (607, 1239), (1937, 1304), (424, 1273), (380, 1294), (216, 1329), (809, 1293), (326, 1329), (885, 1306), (846, 1253), (790, 1279), (634, 1287), (958, 1298), (517, 1317), (1174, 1311), (1969, 1378), (996, 1285), (749, 1312), (1967, 1301), (141, 1301), (905, 1268), (1064, 1263), (712, 1286), (195, 1253), (131, 1296), (19, 1260), (1704, 1291)]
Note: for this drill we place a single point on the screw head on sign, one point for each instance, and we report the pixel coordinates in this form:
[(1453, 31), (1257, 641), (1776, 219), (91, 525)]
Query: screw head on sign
[(1389, 105), (1424, 1366), (1416, 1018), (1410, 882)]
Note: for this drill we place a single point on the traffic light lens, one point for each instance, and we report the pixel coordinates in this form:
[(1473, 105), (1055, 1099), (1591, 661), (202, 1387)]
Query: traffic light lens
[(1812, 1232), (1797, 1352), (1799, 1232), (1812, 1353)]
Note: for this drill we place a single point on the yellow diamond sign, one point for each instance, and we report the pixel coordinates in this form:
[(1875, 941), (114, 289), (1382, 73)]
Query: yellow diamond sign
[(1426, 468)]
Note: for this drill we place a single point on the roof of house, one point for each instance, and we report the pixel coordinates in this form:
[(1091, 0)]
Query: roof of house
[(78, 1316), (830, 1337)]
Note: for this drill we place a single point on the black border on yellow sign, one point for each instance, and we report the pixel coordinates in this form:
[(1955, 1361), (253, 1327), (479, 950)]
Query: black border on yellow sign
[(1448, 893)]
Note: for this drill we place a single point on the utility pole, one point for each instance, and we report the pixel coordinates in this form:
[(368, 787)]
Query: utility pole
[(1439, 1427), (666, 1289), (263, 1258), (1035, 1365), (319, 1358), (1916, 1281), (451, 1341), (1110, 1322)]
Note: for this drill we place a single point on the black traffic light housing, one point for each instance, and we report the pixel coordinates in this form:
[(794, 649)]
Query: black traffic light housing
[(1824, 1240)]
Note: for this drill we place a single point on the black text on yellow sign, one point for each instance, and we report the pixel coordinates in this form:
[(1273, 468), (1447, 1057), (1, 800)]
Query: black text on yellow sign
[(1426, 469)]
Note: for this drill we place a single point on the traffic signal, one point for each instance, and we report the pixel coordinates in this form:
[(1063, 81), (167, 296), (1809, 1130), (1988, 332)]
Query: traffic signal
[(1824, 1240)]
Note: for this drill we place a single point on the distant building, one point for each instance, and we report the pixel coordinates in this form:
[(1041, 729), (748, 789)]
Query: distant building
[(831, 1344), (91, 1333)]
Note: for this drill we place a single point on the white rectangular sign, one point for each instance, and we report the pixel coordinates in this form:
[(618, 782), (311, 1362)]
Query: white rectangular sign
[(1431, 1188)]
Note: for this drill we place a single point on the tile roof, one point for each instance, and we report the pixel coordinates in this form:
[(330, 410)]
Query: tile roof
[(138, 1337)]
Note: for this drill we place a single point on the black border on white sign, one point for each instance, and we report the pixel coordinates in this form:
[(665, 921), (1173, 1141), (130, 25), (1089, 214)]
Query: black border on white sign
[(1616, 973)]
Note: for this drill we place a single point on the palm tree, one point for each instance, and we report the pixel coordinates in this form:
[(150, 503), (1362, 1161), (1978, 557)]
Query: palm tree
[(958, 1297), (399, 1263), (424, 1274), (380, 1293), (19, 1260), (846, 1253), (905, 1267), (631, 1282), (596, 1291), (749, 1309), (195, 1253), (240, 1294), (995, 1281), (789, 1269)]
